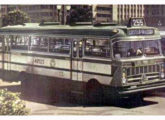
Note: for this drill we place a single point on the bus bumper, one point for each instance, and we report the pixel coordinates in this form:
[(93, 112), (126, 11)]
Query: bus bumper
[(141, 88)]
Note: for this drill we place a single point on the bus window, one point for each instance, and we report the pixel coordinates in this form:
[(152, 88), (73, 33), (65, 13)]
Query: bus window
[(1, 39), (39, 44), (19, 42), (59, 45), (136, 48), (98, 48), (163, 45)]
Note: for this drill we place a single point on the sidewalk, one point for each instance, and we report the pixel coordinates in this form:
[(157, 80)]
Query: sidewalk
[(4, 83)]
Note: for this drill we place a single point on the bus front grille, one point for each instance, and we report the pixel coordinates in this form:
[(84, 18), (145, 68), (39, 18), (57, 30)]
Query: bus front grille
[(136, 74)]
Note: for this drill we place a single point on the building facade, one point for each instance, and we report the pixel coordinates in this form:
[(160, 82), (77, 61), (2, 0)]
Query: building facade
[(117, 13), (39, 13), (155, 15), (104, 13), (3, 10), (125, 12)]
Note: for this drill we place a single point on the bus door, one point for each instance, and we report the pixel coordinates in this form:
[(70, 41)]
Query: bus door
[(1, 52), (7, 55), (77, 63)]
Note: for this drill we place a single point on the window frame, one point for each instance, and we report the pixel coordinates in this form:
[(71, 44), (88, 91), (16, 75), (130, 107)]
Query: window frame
[(7, 38), (97, 39)]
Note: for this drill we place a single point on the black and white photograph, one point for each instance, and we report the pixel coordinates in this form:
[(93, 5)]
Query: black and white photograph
[(82, 59)]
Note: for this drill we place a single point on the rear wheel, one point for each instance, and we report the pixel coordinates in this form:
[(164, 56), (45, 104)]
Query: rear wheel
[(23, 78), (94, 93), (26, 85)]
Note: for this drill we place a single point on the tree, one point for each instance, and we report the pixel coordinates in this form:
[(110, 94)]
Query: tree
[(80, 14), (11, 104), (15, 17)]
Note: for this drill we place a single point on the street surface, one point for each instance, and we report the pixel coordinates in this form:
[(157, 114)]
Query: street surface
[(153, 104)]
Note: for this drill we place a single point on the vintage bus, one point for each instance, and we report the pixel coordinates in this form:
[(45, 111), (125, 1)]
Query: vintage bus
[(87, 63)]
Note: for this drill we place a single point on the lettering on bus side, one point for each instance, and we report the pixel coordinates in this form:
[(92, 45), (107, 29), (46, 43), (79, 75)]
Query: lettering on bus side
[(38, 61), (52, 63)]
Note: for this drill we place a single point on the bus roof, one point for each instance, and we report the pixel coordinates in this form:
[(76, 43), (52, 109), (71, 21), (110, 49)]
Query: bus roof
[(68, 30), (37, 26)]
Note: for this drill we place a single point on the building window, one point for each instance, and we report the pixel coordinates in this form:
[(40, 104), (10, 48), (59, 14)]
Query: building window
[(103, 15), (104, 8)]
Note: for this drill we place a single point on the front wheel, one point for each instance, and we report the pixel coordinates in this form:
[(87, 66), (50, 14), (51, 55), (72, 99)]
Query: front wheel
[(94, 94), (137, 98)]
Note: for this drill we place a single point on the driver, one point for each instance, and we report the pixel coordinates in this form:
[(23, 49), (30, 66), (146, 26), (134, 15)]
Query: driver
[(139, 52), (131, 52)]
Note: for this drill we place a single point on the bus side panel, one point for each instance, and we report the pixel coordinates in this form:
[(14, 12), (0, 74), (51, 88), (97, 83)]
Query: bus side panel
[(99, 71), (1, 65), (13, 68), (45, 77)]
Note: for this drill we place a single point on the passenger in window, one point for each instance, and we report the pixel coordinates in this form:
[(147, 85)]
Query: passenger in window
[(131, 52), (139, 52)]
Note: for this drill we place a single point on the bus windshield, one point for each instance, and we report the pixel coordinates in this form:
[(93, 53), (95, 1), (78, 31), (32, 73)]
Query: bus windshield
[(136, 48)]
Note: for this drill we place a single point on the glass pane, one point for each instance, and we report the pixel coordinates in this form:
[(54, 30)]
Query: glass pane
[(59, 45), (163, 45), (19, 42), (136, 48), (1, 40), (39, 44), (99, 48)]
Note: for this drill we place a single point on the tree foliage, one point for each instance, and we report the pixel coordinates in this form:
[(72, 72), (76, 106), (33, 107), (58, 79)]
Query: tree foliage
[(15, 17), (11, 104), (80, 14)]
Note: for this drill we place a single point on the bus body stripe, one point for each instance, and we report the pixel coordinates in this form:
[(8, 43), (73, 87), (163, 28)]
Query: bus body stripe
[(67, 57), (55, 68)]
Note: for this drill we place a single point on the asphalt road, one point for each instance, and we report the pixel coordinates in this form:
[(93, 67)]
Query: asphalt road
[(153, 104)]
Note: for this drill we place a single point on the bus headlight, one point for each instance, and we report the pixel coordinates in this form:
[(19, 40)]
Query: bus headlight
[(162, 74), (124, 75), (124, 80)]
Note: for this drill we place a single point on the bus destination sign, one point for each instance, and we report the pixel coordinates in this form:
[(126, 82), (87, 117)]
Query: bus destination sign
[(136, 22), (132, 32)]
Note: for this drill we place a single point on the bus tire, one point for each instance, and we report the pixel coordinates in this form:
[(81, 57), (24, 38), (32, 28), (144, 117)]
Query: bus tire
[(24, 79), (137, 98), (94, 93)]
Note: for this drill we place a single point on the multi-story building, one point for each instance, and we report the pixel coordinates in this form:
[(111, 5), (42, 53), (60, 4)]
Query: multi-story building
[(101, 13), (104, 13), (39, 13), (125, 12), (3, 10), (117, 13), (155, 15)]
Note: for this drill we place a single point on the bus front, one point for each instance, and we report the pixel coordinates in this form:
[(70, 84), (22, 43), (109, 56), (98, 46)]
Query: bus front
[(138, 60)]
